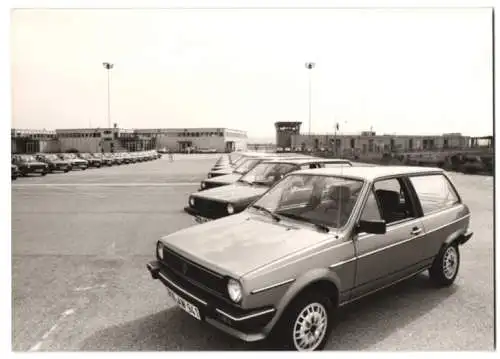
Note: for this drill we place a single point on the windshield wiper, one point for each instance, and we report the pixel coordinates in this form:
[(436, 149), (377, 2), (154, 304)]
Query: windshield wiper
[(263, 183), (264, 209), (319, 226)]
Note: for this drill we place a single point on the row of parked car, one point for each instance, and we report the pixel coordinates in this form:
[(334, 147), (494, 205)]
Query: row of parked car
[(43, 163), (284, 241)]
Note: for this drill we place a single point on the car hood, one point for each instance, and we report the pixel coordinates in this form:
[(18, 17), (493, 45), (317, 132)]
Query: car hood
[(241, 243), (231, 193), (226, 179), (223, 171)]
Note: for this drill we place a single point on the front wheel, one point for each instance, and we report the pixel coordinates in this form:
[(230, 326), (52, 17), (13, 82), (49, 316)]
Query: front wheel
[(444, 270), (306, 324)]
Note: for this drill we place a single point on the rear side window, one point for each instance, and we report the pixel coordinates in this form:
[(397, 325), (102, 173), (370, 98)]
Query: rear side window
[(434, 192)]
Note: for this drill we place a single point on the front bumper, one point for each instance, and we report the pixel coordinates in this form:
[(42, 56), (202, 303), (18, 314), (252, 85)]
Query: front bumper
[(466, 237), (247, 325), (196, 214)]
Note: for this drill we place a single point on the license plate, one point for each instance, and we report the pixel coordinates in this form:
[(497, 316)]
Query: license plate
[(185, 305), (202, 219), (38, 170)]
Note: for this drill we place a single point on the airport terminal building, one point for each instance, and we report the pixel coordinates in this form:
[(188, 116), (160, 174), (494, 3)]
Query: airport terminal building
[(288, 136), (118, 140)]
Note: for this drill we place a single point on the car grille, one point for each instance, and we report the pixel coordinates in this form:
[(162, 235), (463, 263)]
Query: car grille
[(210, 209), (199, 276)]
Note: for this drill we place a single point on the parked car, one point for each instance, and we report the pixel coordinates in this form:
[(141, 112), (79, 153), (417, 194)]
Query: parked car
[(54, 162), (74, 160), (249, 158), (14, 172), (27, 164), (91, 159), (231, 199), (317, 240), (238, 172), (107, 159)]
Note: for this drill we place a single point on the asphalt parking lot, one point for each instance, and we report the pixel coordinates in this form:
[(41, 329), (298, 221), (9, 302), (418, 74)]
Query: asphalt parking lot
[(81, 241)]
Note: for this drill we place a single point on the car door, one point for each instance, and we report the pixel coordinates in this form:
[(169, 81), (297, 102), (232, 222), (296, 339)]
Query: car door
[(443, 211), (383, 259)]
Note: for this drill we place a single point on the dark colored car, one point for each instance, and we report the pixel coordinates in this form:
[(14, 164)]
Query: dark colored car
[(14, 172), (29, 164), (91, 159), (234, 198), (54, 162), (74, 160)]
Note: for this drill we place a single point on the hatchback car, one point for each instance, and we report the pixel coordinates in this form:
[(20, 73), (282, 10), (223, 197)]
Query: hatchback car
[(74, 160), (92, 160), (317, 240), (28, 164), (227, 200), (54, 162)]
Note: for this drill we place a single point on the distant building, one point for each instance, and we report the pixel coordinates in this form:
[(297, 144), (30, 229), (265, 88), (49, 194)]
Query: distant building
[(367, 142), (285, 131), (118, 139), (32, 141)]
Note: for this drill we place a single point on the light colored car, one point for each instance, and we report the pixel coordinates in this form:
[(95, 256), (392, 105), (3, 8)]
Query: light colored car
[(317, 240)]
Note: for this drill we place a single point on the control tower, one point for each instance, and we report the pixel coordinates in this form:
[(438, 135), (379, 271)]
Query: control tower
[(284, 132)]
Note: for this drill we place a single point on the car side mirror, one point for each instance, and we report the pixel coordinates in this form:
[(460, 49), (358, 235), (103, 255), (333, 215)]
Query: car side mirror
[(372, 227)]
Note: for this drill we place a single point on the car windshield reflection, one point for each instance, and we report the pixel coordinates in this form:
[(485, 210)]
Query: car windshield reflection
[(314, 199), (267, 173)]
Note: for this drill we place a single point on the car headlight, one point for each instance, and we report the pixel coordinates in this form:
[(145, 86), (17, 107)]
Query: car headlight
[(159, 250), (230, 208), (191, 201), (203, 185), (234, 290)]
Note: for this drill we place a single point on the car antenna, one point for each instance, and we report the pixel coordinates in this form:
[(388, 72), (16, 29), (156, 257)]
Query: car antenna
[(341, 172)]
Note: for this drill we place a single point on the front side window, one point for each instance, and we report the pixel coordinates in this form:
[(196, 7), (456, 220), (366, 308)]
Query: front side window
[(434, 192), (267, 173), (394, 200), (315, 199)]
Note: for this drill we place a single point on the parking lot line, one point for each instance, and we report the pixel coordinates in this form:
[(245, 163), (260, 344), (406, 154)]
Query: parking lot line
[(139, 184)]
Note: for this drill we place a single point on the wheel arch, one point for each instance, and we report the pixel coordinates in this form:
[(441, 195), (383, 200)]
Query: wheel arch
[(322, 279)]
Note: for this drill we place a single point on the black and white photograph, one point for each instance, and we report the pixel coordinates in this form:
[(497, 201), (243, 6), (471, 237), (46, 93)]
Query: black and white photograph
[(210, 176)]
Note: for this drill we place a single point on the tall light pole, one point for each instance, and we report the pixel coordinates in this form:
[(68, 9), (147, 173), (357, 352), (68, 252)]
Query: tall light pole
[(310, 66), (108, 66)]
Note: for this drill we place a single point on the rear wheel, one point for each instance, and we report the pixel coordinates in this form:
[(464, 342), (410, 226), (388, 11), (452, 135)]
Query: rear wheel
[(306, 323), (444, 270)]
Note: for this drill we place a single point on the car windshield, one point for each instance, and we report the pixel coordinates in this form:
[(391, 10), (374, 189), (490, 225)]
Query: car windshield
[(52, 157), (68, 156), (315, 199), (247, 165), (267, 173), (85, 155), (26, 158), (239, 161)]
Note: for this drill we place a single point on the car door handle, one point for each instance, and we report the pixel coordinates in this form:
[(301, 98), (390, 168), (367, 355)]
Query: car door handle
[(416, 231)]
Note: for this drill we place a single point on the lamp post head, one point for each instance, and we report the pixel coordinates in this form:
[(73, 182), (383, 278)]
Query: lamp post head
[(108, 65), (310, 65)]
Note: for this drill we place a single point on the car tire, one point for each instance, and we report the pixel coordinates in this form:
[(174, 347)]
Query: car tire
[(445, 267), (310, 305)]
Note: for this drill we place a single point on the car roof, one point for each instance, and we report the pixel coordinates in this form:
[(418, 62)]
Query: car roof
[(306, 160), (370, 173)]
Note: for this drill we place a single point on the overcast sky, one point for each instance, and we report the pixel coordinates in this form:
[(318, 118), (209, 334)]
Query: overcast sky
[(400, 71)]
